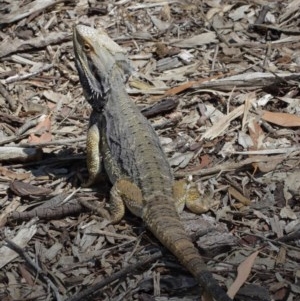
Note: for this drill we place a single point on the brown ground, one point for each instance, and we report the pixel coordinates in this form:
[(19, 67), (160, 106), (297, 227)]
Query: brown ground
[(225, 78)]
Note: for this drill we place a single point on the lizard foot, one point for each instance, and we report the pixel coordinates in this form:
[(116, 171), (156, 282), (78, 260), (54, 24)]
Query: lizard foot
[(187, 194)]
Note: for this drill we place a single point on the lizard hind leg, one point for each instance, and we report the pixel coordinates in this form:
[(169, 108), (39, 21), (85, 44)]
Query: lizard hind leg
[(188, 194), (124, 193)]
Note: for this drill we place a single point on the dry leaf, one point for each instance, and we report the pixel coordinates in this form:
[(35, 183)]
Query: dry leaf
[(197, 40), (42, 131), (258, 136), (238, 196), (239, 13), (221, 126), (11, 175), (12, 206), (26, 274), (282, 119), (22, 238), (187, 85), (256, 133), (181, 88), (53, 96), (181, 160), (161, 25), (244, 270), (244, 140), (25, 189), (287, 212), (140, 85), (205, 161), (249, 100)]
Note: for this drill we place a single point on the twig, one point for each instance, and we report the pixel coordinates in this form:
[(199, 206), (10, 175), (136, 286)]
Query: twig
[(225, 167), (34, 266), (17, 45), (280, 241), (23, 154), (295, 235), (286, 150), (54, 208), (28, 125), (48, 213), (115, 235), (99, 210), (13, 138), (19, 77), (262, 14), (286, 31), (32, 8), (55, 142), (49, 161), (127, 270), (163, 106), (215, 57)]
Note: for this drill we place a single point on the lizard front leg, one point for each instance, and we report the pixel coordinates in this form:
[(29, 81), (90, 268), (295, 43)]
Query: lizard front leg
[(94, 159), (123, 191)]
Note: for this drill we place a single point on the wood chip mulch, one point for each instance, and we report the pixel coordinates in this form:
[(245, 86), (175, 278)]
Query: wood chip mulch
[(219, 81)]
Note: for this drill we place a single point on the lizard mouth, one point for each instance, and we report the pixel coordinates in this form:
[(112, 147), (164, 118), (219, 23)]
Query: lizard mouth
[(89, 76)]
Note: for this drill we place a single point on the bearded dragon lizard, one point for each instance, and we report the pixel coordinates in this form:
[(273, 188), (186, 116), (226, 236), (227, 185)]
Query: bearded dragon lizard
[(122, 140)]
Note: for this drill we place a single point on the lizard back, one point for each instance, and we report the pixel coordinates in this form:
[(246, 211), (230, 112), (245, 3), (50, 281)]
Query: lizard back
[(133, 143)]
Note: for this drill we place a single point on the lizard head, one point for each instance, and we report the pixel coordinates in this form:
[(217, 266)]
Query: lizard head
[(89, 65), (95, 56)]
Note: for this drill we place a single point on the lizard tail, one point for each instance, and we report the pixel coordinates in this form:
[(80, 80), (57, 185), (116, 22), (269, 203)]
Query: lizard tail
[(162, 220)]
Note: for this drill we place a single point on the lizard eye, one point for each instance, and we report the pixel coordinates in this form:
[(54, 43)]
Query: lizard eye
[(86, 47)]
